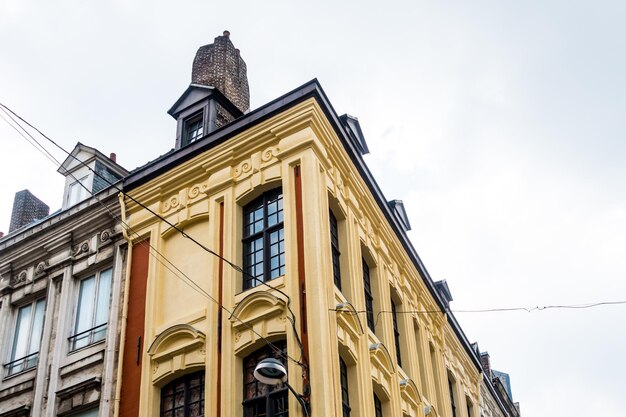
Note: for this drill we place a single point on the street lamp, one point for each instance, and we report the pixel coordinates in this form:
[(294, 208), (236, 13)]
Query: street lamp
[(271, 371)]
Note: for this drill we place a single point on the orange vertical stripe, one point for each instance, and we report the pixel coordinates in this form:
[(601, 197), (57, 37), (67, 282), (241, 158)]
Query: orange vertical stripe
[(135, 322)]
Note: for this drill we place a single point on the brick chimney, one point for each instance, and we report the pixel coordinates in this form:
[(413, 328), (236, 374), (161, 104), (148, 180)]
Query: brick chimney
[(220, 65), (26, 209), (486, 363)]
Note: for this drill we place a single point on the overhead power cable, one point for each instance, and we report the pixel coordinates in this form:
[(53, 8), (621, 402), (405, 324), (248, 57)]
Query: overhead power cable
[(483, 310), (236, 267), (187, 280)]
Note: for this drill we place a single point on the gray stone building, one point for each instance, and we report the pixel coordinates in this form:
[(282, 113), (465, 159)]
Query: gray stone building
[(60, 290)]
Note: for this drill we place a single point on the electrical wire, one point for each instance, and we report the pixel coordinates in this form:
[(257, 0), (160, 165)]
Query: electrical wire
[(484, 310), (188, 281), (236, 267)]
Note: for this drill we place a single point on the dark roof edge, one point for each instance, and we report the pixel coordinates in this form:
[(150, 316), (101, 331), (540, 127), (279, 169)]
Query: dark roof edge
[(17, 236), (494, 394), (151, 170), (395, 223), (309, 89)]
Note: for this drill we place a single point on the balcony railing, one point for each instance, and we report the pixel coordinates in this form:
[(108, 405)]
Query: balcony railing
[(87, 337), (22, 364)]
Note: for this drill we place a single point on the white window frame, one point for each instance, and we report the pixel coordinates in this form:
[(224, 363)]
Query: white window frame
[(82, 191), (17, 365), (95, 332)]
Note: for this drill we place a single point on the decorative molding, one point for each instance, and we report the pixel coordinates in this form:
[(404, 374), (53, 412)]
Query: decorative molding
[(260, 314), (243, 168), (105, 236), (382, 368), (170, 204), (409, 396), (270, 153), (176, 349), (80, 248), (40, 269), (19, 278)]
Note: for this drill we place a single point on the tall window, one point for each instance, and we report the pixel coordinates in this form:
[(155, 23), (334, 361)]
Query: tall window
[(452, 403), (421, 360), (27, 337), (396, 332), (436, 375), (378, 406), (263, 239), (184, 397), (345, 397), (92, 310), (468, 402), (194, 129), (334, 243), (369, 299), (261, 400)]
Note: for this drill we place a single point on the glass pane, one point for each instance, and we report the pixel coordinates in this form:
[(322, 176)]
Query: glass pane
[(20, 343), (89, 413), (35, 339), (85, 307), (104, 293)]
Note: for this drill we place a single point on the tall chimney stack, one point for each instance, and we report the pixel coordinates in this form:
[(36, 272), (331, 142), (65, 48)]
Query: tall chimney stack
[(220, 65), (26, 209)]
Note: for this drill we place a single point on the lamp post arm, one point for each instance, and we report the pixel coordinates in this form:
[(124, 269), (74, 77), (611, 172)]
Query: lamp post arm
[(300, 399)]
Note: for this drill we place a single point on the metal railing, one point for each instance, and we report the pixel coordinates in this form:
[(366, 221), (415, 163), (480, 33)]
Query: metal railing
[(87, 337), (22, 364)]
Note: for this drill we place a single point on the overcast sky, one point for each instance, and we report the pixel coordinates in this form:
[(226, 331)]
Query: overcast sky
[(500, 124)]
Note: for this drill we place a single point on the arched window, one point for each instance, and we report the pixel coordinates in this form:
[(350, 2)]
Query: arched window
[(261, 400), (184, 397)]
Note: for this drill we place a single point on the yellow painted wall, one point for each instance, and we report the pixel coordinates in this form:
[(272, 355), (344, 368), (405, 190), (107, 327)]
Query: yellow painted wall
[(181, 323)]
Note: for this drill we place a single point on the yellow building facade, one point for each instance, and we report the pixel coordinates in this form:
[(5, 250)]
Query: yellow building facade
[(330, 285)]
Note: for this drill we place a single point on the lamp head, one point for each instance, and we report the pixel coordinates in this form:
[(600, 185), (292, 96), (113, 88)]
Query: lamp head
[(270, 371)]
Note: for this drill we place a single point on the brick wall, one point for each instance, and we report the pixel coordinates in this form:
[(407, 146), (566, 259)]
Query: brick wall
[(26, 209), (220, 65)]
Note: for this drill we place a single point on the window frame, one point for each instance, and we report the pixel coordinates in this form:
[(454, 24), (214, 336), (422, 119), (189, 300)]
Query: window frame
[(368, 294), (334, 248), (451, 386), (269, 393), (191, 122), (83, 191), (378, 406), (186, 380), (396, 332), (250, 278), (31, 360), (345, 388), (94, 328)]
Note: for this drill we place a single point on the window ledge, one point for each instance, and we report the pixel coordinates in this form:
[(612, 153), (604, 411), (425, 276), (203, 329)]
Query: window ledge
[(278, 283), (84, 358), (13, 385)]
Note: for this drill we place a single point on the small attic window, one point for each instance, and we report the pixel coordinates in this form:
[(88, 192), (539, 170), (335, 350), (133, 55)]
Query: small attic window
[(194, 128), (77, 192)]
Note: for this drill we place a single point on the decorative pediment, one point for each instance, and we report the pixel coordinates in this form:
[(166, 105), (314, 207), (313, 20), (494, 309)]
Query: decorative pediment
[(177, 348), (410, 397), (382, 367), (257, 306), (349, 330), (258, 315)]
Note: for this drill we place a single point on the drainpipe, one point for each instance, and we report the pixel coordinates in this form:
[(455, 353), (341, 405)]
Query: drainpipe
[(129, 260)]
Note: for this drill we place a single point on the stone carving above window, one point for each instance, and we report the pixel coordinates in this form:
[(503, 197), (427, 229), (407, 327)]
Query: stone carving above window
[(178, 348), (258, 314)]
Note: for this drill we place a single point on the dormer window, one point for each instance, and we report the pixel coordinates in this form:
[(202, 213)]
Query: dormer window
[(77, 192), (87, 172), (194, 128)]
